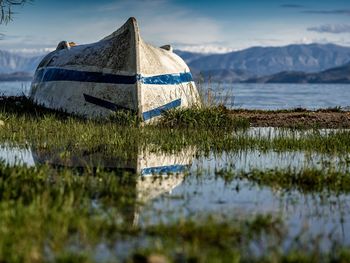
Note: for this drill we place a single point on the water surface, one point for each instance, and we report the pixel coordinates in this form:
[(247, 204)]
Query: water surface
[(14, 88), (195, 188), (281, 96)]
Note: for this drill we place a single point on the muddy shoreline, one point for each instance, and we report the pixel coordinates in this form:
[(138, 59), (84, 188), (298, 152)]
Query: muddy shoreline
[(297, 119)]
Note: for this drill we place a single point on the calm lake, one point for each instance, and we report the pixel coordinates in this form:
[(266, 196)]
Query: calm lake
[(251, 96)]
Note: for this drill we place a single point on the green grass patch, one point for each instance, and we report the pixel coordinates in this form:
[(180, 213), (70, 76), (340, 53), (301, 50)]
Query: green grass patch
[(207, 118), (206, 130)]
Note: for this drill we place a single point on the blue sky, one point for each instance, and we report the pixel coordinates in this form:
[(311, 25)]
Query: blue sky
[(212, 26)]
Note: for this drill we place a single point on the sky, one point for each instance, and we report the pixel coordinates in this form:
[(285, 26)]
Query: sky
[(211, 26)]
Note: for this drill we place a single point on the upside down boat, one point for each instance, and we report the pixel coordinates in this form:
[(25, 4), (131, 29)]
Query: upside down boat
[(120, 72)]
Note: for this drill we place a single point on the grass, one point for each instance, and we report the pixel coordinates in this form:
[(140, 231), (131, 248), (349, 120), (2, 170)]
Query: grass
[(122, 137), (205, 118)]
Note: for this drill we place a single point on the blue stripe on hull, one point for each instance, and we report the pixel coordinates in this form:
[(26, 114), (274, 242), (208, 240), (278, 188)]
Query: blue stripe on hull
[(160, 110), (146, 115), (60, 74), (167, 79), (173, 169), (103, 103)]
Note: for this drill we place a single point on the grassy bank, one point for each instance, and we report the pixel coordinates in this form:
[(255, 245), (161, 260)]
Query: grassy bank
[(179, 129)]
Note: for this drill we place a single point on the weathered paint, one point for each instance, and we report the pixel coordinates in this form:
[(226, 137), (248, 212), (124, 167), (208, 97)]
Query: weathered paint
[(119, 72)]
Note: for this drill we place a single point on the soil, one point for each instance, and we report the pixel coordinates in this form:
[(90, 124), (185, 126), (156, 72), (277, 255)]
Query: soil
[(307, 119)]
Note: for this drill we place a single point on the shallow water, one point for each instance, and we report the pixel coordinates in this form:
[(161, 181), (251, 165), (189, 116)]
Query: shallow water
[(197, 190), (312, 214), (14, 88), (280, 96)]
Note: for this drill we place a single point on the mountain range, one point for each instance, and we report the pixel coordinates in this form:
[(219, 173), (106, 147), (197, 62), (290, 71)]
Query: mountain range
[(12, 62), (334, 75), (253, 64), (261, 61), (16, 76)]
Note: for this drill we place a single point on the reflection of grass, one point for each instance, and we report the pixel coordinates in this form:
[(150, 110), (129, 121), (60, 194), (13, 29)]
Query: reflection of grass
[(288, 179), (57, 214), (48, 213), (214, 240), (51, 211)]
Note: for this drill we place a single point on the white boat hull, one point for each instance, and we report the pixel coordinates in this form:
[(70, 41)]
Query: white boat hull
[(120, 72)]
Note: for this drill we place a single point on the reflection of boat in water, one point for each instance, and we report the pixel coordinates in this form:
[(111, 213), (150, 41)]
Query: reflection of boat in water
[(141, 162), (156, 172), (120, 72), (152, 173)]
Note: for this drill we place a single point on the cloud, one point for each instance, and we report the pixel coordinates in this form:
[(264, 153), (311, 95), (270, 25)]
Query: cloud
[(31, 52), (118, 5), (308, 40), (292, 6), (26, 43), (323, 41), (329, 12), (164, 22), (206, 48), (332, 29)]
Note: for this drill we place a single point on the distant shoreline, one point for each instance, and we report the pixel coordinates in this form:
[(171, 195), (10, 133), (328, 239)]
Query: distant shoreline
[(16, 77)]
